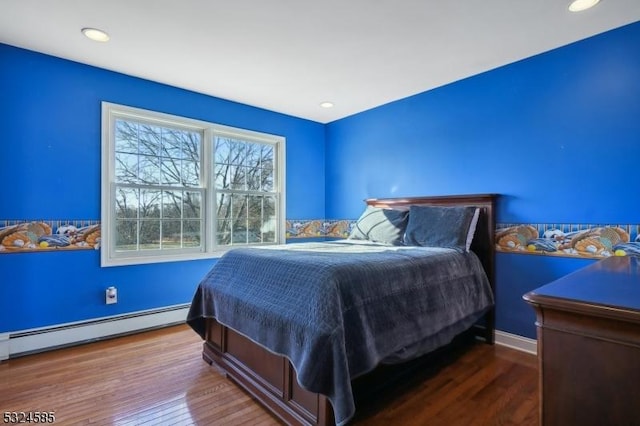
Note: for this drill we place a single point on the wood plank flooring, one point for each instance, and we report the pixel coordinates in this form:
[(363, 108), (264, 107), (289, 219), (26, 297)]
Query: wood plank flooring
[(159, 378)]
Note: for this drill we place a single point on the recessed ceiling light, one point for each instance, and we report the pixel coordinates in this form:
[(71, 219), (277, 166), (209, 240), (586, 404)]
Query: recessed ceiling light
[(95, 34), (326, 104), (580, 5)]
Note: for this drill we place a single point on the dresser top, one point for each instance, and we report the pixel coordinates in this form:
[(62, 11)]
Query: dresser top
[(612, 283)]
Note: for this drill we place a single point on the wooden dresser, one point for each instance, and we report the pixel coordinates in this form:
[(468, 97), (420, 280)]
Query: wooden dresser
[(588, 326)]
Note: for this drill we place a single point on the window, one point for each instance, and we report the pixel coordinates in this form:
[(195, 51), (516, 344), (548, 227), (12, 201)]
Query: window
[(177, 189)]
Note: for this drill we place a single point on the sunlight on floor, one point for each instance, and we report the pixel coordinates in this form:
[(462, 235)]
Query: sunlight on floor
[(172, 411)]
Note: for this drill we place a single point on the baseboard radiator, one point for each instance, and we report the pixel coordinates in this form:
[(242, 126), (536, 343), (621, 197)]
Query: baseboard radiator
[(25, 342), (47, 338)]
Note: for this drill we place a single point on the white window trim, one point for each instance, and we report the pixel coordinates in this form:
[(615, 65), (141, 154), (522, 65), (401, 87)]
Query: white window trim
[(108, 256)]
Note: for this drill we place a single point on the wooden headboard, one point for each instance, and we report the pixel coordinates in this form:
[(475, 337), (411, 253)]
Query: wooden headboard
[(484, 240)]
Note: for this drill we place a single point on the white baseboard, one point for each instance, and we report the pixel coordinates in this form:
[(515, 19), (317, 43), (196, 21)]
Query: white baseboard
[(514, 341), (25, 342)]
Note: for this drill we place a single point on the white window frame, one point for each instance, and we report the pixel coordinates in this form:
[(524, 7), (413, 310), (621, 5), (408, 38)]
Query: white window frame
[(109, 256)]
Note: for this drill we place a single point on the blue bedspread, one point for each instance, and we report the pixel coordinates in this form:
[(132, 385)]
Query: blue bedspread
[(338, 309)]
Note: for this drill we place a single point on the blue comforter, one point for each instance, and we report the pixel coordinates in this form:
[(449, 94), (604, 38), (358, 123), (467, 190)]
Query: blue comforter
[(338, 309)]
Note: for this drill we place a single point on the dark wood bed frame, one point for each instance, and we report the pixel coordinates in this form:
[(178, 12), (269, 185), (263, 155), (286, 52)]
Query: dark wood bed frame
[(271, 379)]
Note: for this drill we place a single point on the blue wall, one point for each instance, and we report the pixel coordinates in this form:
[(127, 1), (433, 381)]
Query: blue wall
[(557, 134), (50, 170)]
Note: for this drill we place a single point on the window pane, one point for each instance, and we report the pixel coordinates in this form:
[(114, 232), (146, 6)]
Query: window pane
[(266, 156), (254, 218), (223, 232), (150, 139), (190, 173), (127, 203), (255, 206), (191, 204), (230, 207), (253, 155), (223, 151), (171, 234), (253, 178), (239, 233), (237, 152), (150, 235), (171, 171), (238, 219), (254, 230), (150, 203), (191, 145), (172, 143), (269, 230), (223, 202), (181, 144), (172, 204), (243, 165), (223, 176), (192, 233), (126, 168), (239, 207), (269, 207), (268, 171), (149, 170), (269, 220), (126, 235), (238, 180), (267, 180), (126, 137)]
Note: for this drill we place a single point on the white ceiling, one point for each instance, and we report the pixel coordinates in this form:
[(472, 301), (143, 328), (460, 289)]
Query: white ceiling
[(290, 55)]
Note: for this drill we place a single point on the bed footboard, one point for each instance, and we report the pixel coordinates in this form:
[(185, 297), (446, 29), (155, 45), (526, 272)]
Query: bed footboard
[(269, 378)]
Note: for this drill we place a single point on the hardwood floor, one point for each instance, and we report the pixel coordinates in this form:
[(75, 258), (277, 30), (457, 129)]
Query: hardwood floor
[(159, 378)]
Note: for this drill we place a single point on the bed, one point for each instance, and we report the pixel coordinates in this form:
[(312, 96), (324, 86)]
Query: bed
[(295, 324)]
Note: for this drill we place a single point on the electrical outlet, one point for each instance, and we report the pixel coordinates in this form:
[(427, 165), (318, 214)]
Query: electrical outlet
[(111, 295)]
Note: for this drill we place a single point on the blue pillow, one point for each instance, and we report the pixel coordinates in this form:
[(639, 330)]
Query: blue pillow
[(380, 225), (436, 226)]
